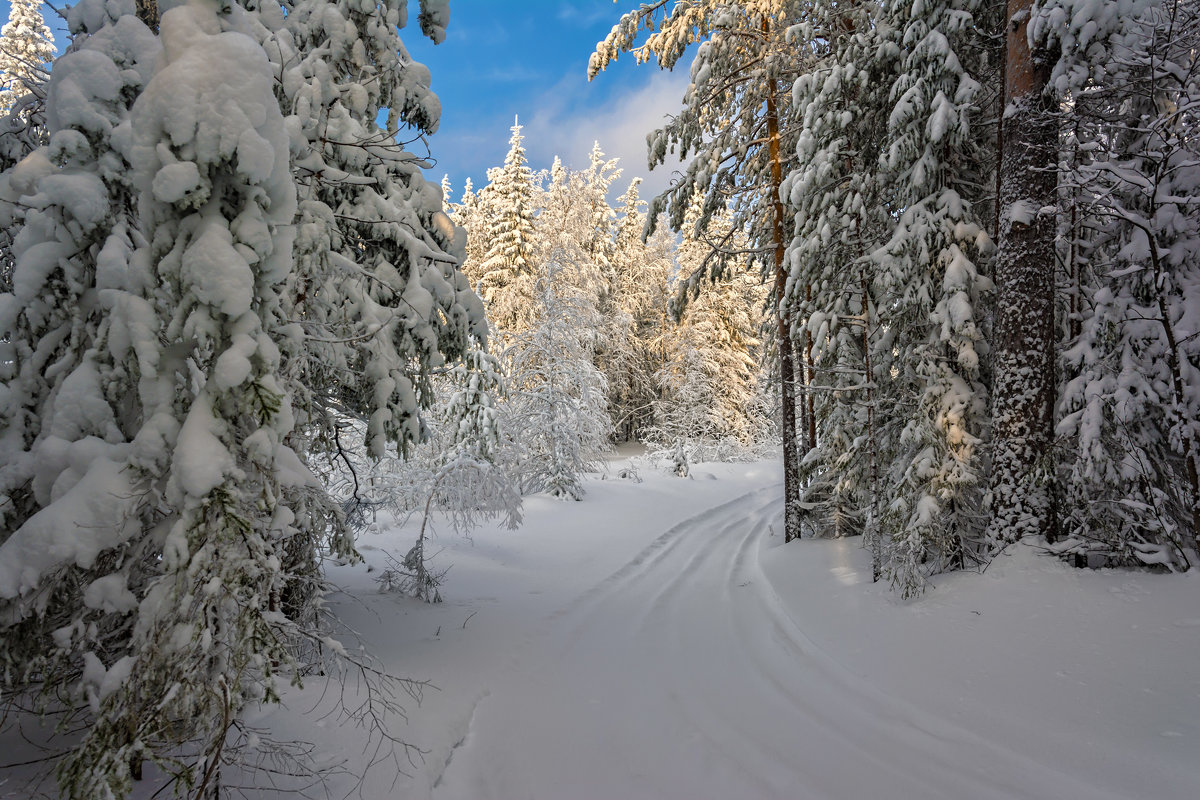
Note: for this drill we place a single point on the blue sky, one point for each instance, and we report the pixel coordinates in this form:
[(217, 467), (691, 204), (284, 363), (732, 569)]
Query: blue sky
[(529, 58), (503, 58)]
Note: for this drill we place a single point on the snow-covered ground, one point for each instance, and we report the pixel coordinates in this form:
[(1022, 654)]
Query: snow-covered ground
[(658, 640)]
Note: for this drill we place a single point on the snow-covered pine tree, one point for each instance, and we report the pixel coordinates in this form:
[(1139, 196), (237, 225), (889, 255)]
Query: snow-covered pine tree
[(1021, 498), (1129, 75), (731, 127), (507, 272), (26, 48)]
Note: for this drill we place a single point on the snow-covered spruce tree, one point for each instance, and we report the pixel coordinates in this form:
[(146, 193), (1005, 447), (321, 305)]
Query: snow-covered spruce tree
[(1131, 407), (730, 126), (154, 523), (840, 218), (932, 402), (378, 303), (556, 412), (507, 271), (26, 48), (892, 194), (77, 303), (156, 342)]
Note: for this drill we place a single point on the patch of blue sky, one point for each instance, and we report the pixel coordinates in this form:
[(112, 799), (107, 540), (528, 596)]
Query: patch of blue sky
[(504, 59)]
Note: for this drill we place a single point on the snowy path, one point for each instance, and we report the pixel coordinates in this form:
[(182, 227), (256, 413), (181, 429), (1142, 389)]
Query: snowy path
[(658, 641), (683, 675)]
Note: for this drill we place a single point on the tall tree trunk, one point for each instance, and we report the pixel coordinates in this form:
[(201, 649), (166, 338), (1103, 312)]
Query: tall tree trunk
[(809, 377), (1023, 401), (787, 363), (870, 526)]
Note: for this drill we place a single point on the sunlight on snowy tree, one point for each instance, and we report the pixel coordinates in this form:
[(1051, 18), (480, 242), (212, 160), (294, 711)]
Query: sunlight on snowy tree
[(26, 48), (506, 271), (556, 413), (709, 382), (928, 288), (637, 321), (891, 194), (730, 135)]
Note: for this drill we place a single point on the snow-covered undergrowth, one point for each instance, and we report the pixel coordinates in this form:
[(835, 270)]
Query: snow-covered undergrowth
[(658, 639)]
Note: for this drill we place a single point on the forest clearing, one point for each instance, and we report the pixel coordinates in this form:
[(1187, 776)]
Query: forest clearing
[(843, 441)]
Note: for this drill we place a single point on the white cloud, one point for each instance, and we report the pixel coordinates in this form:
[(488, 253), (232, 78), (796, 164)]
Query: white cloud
[(621, 129)]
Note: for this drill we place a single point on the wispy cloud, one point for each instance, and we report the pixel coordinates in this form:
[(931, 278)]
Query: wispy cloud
[(584, 17), (620, 127)]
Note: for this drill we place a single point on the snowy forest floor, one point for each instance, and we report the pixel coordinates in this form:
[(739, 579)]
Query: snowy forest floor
[(658, 640)]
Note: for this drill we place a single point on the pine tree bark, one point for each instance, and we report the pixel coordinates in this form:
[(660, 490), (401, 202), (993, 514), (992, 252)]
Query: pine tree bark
[(787, 362), (1022, 497), (147, 12)]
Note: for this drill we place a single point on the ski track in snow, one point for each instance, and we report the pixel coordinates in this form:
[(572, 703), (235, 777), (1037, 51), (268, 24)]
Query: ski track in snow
[(689, 648)]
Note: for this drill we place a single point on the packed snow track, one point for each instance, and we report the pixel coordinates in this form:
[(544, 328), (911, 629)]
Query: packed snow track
[(683, 675)]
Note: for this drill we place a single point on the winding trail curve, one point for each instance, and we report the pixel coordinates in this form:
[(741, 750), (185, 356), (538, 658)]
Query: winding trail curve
[(683, 675)]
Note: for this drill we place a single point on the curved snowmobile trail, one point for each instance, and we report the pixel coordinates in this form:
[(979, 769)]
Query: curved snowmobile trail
[(688, 648)]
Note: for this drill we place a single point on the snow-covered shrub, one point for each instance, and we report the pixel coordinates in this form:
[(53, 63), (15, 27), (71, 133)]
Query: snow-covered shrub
[(556, 415)]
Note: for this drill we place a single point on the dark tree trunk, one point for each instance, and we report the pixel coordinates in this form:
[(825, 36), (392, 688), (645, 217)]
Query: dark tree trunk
[(787, 361), (1023, 401)]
